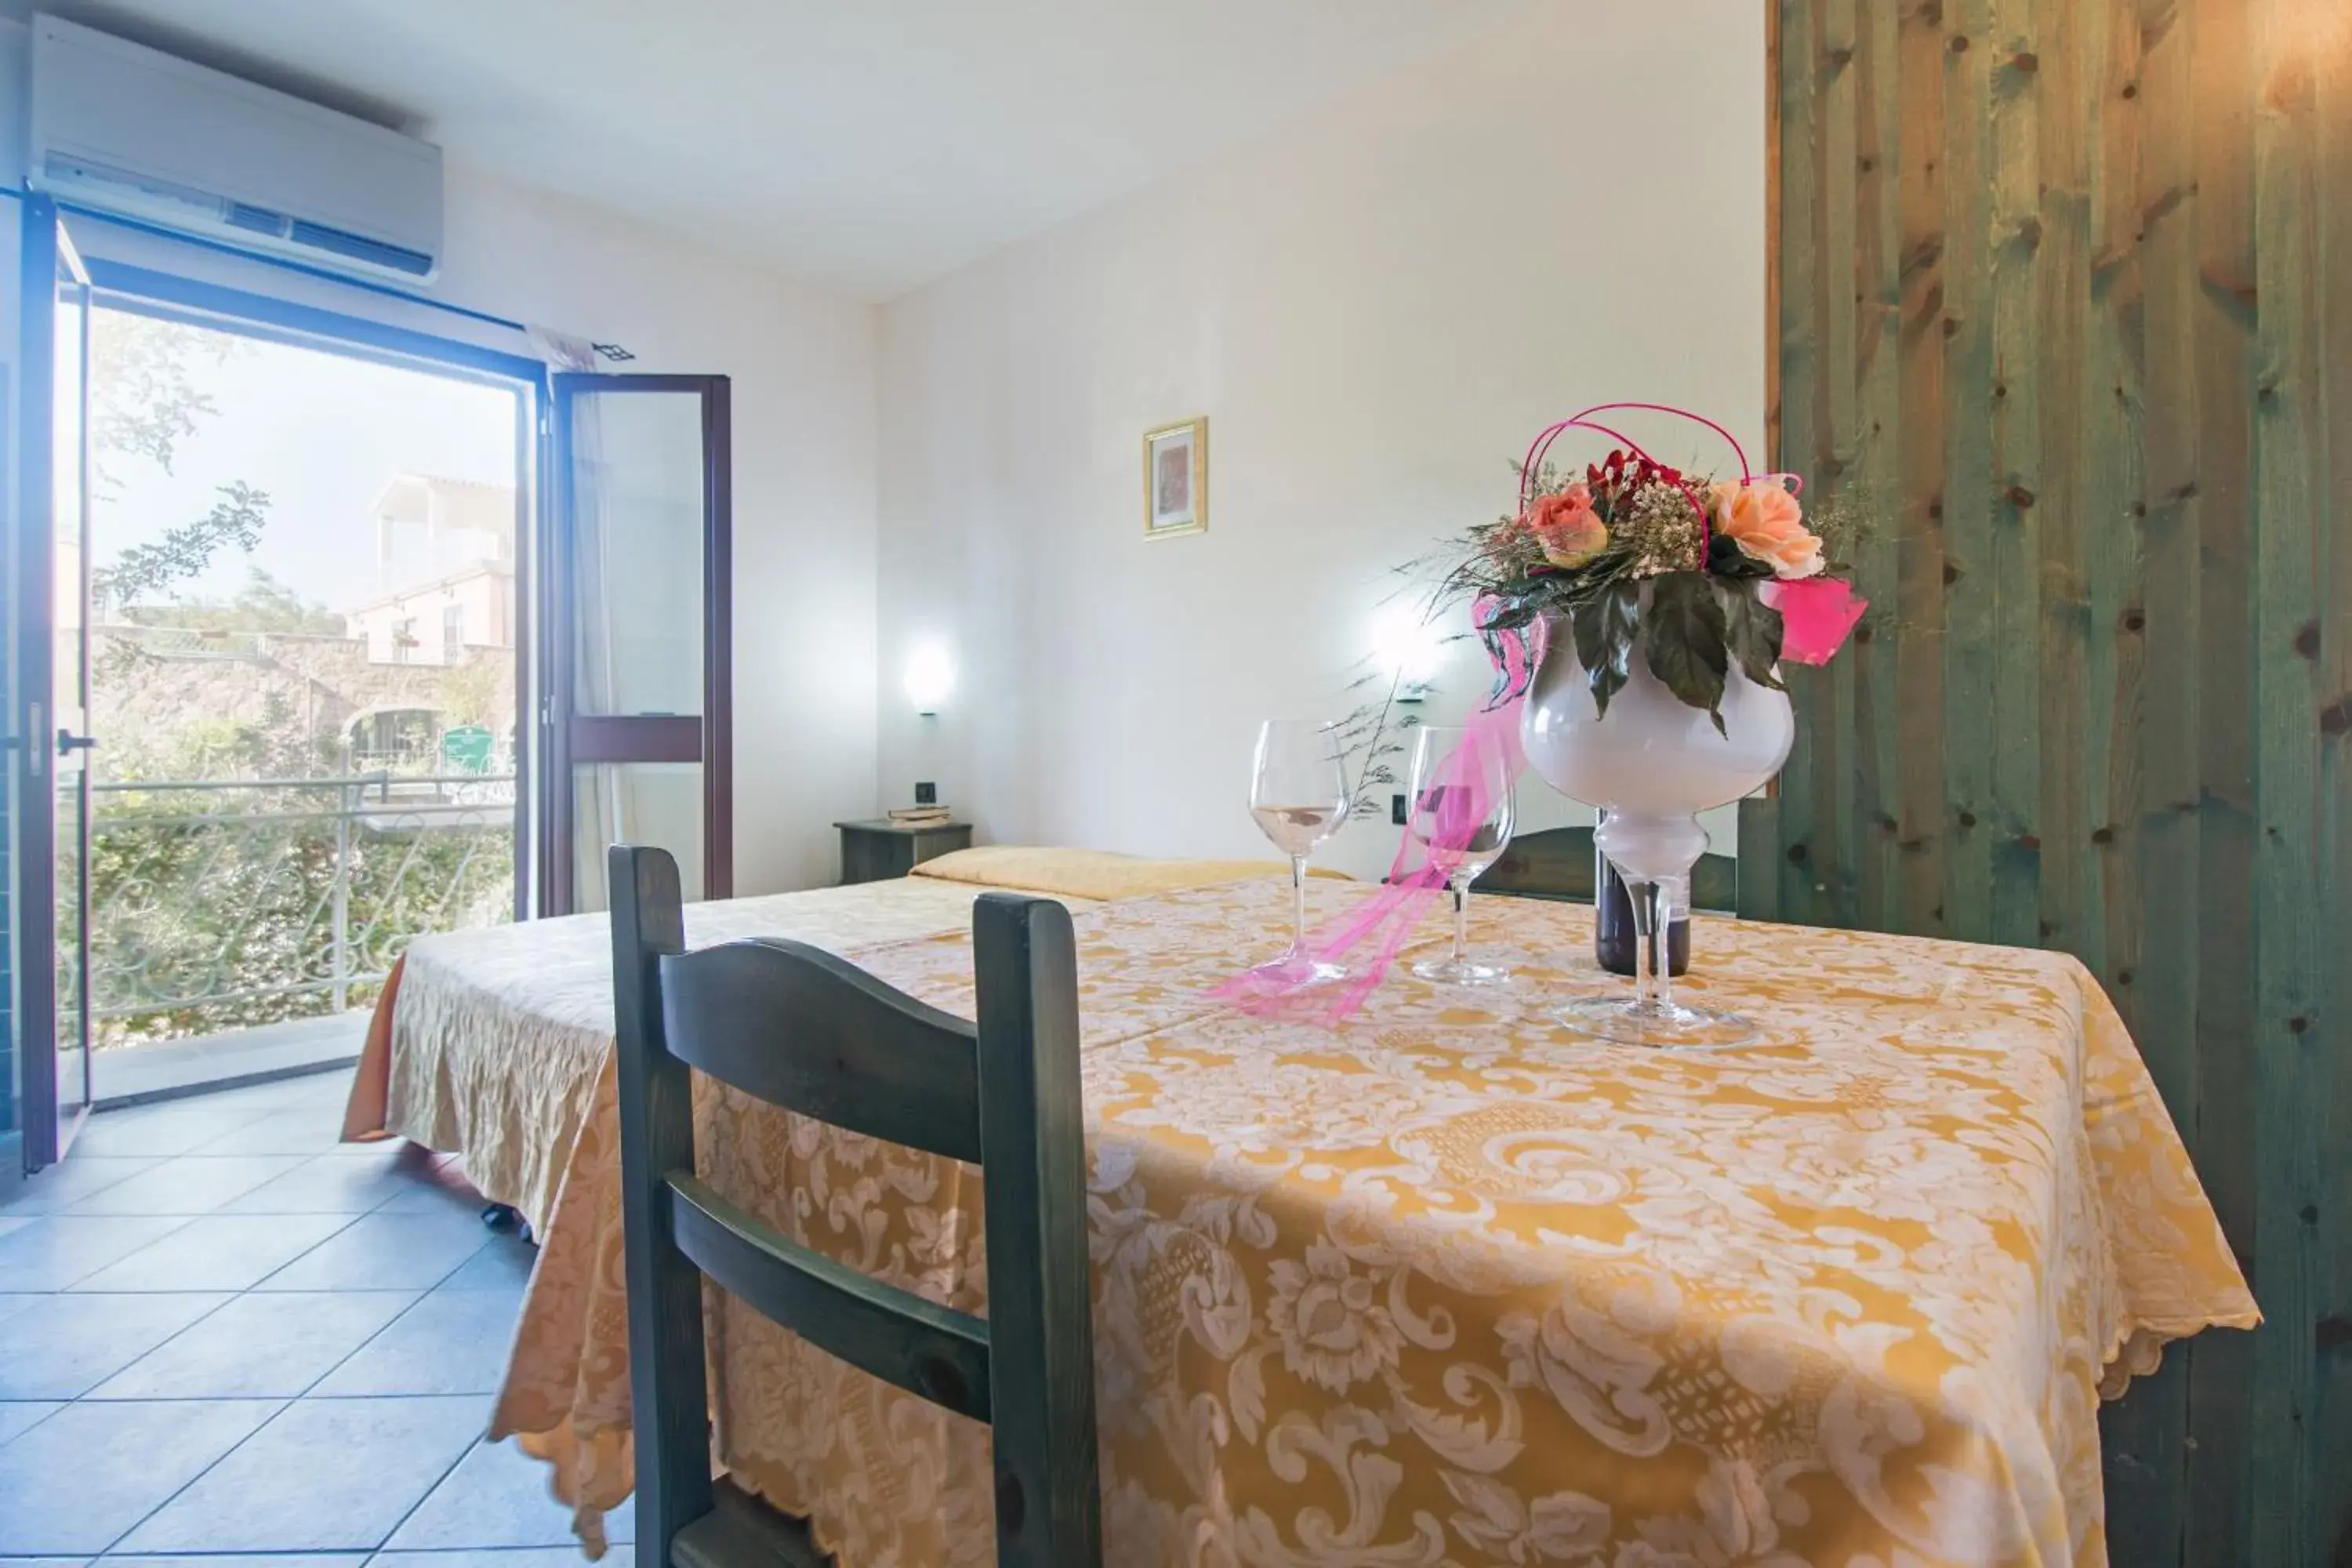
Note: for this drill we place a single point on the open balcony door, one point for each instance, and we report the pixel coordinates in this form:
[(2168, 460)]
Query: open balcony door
[(638, 590), (47, 723)]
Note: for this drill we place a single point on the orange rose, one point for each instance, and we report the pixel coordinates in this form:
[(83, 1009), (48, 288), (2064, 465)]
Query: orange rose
[(1567, 528), (1764, 520)]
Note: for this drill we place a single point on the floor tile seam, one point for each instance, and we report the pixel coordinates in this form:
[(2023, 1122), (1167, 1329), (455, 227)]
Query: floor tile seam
[(62, 1405), (219, 1459), (398, 1317), (75, 1289), (91, 1393), (69, 1287), (349, 1220), (426, 1496)]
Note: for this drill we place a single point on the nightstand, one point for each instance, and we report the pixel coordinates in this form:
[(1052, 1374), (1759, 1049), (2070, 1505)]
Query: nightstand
[(879, 850)]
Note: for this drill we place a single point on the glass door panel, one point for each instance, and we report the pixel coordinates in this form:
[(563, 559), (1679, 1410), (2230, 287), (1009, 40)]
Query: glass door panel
[(638, 594), (48, 695), (638, 464), (655, 804), (69, 678)]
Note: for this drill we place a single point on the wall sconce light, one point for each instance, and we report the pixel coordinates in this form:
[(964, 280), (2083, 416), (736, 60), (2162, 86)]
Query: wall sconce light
[(930, 676), (1409, 651)]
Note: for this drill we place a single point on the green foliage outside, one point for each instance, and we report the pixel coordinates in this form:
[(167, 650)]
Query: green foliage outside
[(242, 911), (469, 693), (275, 746), (264, 604), (185, 551), (146, 390), (215, 909)]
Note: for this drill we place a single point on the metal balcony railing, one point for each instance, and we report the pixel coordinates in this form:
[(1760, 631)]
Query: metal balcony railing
[(222, 903)]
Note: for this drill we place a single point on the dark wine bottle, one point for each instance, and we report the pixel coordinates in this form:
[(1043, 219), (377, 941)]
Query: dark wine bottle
[(1612, 925)]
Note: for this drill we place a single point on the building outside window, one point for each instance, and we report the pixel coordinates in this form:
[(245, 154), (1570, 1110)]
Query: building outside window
[(441, 544)]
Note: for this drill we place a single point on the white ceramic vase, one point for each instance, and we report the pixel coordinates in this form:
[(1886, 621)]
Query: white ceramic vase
[(1652, 763)]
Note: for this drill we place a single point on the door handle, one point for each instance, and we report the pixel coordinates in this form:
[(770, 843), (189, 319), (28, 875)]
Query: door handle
[(69, 743)]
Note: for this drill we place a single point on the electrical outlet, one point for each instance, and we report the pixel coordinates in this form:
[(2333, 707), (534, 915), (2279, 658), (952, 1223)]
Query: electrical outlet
[(1396, 809), (928, 794)]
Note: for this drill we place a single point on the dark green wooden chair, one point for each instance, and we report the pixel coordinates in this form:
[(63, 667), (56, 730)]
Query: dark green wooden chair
[(803, 1029)]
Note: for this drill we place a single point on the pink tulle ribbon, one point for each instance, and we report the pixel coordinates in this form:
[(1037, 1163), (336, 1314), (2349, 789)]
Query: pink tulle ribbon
[(1457, 796), (1817, 615)]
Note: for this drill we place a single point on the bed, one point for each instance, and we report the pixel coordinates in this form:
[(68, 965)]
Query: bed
[(488, 1044)]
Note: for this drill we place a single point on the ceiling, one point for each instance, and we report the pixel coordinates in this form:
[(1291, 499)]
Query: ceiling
[(866, 145)]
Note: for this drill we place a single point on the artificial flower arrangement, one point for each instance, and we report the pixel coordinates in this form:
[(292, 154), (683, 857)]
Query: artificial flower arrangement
[(1701, 573)]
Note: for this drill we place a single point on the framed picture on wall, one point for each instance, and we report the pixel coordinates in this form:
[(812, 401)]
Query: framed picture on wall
[(1176, 480)]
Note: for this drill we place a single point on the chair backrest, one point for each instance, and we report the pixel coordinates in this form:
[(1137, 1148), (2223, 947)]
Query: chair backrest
[(804, 1030)]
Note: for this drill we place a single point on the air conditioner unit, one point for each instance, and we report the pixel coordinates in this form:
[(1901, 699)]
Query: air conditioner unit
[(121, 128)]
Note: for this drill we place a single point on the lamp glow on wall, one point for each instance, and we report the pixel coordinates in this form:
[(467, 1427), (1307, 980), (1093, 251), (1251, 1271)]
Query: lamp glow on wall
[(931, 678), (1409, 649)]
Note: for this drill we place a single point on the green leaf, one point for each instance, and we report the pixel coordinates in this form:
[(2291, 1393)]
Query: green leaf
[(1613, 564), (1683, 640), (1752, 631), (1725, 559), (1605, 625), (1509, 615)]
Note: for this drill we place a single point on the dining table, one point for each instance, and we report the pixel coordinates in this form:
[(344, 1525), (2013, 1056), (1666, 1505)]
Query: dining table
[(1448, 1282)]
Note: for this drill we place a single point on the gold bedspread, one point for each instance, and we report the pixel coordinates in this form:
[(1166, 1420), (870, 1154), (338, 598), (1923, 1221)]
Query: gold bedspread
[(488, 1043), (1095, 874), (1451, 1285)]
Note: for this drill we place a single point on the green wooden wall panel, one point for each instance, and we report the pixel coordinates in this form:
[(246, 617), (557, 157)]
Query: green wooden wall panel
[(2289, 636), (1966, 493), (1802, 305), (2065, 298), (2333, 1373), (1914, 625)]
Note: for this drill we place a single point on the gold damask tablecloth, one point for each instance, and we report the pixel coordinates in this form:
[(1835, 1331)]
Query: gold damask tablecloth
[(1451, 1285)]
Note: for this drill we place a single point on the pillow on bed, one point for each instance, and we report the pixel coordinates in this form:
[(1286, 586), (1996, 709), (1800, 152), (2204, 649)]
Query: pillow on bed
[(1092, 873)]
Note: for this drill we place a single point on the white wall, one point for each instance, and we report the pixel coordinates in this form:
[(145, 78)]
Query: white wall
[(802, 361), (1376, 308)]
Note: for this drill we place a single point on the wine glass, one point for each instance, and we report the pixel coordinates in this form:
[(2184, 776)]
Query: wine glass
[(1298, 793), (1460, 790)]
